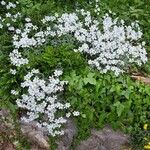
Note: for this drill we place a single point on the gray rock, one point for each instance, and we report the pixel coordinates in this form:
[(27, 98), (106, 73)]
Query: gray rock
[(66, 140), (35, 136), (106, 139)]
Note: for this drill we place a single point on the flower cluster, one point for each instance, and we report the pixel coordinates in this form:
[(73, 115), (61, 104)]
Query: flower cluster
[(8, 21), (113, 48), (8, 5), (97, 8), (42, 102), (16, 58)]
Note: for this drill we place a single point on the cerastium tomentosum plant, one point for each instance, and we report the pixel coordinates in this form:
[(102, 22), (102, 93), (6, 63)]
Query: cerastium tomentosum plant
[(42, 103), (112, 48)]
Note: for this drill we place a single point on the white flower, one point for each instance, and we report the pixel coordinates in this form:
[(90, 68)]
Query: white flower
[(1, 26), (18, 31), (8, 15), (27, 19), (67, 105), (58, 73), (8, 7), (76, 113), (8, 24), (13, 71), (13, 92), (68, 115), (11, 28), (3, 2)]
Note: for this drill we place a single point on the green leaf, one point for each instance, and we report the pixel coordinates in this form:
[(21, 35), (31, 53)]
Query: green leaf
[(120, 108), (90, 79)]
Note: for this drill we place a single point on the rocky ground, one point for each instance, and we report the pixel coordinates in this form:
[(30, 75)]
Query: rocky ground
[(105, 139)]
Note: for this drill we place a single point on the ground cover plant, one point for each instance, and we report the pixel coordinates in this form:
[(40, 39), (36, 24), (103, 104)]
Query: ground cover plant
[(76, 61)]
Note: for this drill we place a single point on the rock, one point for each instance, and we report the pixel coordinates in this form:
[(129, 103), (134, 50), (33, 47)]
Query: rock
[(6, 131), (38, 138), (7, 146), (66, 140), (35, 136), (4, 113), (142, 79), (91, 143), (106, 139)]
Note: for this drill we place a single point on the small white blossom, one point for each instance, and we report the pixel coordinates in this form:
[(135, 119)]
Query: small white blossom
[(76, 113), (27, 19), (58, 73), (13, 71), (8, 15), (3, 2), (1, 26), (68, 115), (11, 28), (13, 92), (67, 105), (8, 24)]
